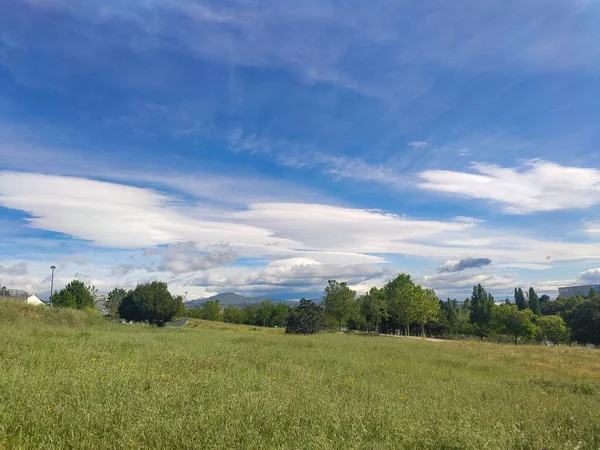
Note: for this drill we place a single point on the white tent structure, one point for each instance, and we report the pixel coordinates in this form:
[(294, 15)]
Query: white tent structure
[(33, 300)]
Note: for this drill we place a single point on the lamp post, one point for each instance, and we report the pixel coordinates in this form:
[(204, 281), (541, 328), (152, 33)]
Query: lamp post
[(186, 296), (52, 284)]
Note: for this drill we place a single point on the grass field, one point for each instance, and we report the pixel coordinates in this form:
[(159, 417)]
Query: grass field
[(71, 379)]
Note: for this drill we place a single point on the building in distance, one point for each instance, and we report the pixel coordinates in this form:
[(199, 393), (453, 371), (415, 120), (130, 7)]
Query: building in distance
[(581, 290)]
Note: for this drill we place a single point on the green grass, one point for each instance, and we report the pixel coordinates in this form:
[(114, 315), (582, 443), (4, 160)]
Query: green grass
[(71, 379)]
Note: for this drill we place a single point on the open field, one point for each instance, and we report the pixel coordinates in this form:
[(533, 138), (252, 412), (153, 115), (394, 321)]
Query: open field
[(70, 379)]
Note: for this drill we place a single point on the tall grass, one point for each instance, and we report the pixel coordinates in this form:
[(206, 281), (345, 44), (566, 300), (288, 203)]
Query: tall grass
[(70, 379)]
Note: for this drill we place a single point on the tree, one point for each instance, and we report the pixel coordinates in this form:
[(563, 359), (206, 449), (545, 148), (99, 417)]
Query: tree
[(481, 310), (151, 302), (584, 321), (355, 320), (553, 328), (211, 310), (233, 314), (306, 318), (426, 307), (373, 307), (280, 314), (544, 299), (520, 299), (114, 301), (336, 301), (401, 295), (448, 317), (265, 310), (534, 302), (252, 314), (507, 319), (74, 295)]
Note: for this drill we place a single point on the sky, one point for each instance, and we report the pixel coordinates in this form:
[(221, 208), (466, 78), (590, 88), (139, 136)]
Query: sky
[(265, 147)]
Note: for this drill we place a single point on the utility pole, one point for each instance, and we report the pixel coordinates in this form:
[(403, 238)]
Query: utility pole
[(52, 284), (186, 296)]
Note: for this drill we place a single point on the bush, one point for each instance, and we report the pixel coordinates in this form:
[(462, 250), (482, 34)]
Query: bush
[(74, 295), (152, 303), (307, 318)]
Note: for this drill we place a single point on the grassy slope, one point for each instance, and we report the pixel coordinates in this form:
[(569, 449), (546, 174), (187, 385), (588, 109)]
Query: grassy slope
[(72, 380)]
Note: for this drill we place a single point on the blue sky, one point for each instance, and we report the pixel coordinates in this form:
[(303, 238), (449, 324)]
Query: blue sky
[(265, 147)]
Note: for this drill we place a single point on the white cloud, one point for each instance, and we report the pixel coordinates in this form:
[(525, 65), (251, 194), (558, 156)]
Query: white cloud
[(536, 186), (115, 215), (16, 269), (590, 276), (447, 283), (183, 257), (296, 245), (418, 144), (293, 274)]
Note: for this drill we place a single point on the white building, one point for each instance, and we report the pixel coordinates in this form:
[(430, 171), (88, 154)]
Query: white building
[(581, 290)]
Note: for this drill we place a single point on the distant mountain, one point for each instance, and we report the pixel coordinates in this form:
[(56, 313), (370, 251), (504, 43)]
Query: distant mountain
[(230, 298), (227, 298)]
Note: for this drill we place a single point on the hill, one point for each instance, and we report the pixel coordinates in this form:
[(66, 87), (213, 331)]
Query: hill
[(226, 298)]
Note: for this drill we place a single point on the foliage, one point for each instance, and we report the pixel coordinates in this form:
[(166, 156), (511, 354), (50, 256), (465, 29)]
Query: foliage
[(265, 312), (373, 307), (426, 307), (211, 310), (520, 299), (534, 302), (74, 295), (336, 301), (306, 318), (482, 304), (150, 302), (584, 321), (114, 301), (553, 328), (233, 314), (401, 295), (280, 314), (507, 319)]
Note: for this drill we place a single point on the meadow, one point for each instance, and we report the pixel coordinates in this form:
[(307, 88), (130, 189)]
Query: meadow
[(71, 379)]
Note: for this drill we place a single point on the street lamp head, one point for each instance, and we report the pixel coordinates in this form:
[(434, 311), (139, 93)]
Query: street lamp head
[(53, 267)]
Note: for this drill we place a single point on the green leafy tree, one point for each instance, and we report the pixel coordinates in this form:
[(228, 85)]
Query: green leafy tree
[(448, 317), (336, 301), (355, 320), (553, 328), (426, 307), (534, 301), (234, 314), (306, 318), (264, 313), (151, 302), (252, 314), (584, 321), (77, 291), (211, 310), (482, 304), (507, 319), (543, 300), (280, 314), (401, 295), (114, 301), (373, 307), (520, 299)]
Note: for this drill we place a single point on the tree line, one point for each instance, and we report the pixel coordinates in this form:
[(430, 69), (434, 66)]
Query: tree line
[(399, 307)]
